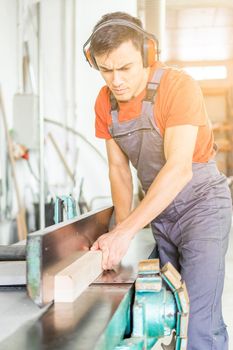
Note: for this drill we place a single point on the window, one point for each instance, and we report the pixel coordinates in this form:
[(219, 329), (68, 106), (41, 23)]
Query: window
[(207, 72)]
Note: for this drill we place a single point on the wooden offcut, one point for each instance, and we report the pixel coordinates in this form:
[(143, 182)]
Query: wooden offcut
[(149, 265), (12, 273), (75, 278), (172, 275)]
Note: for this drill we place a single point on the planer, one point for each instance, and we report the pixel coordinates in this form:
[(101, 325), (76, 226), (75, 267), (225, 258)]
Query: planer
[(133, 306)]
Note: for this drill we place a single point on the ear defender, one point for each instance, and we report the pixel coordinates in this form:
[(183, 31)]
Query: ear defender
[(90, 59), (149, 50)]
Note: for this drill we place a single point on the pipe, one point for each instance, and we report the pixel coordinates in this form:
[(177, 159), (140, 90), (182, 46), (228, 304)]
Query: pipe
[(41, 119), (155, 21)]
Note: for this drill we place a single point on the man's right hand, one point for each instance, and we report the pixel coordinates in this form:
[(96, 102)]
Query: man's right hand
[(114, 246)]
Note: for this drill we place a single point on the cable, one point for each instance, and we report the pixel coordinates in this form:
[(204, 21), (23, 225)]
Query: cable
[(31, 170), (77, 134)]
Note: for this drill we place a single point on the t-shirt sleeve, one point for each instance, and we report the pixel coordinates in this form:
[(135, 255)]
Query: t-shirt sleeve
[(184, 103), (102, 115)]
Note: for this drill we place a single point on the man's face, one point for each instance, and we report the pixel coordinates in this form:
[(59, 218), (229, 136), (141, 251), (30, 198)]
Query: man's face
[(123, 71)]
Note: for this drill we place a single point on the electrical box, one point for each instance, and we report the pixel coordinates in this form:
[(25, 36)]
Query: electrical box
[(26, 120)]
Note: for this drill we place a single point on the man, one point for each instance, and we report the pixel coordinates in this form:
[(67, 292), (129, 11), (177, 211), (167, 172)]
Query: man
[(154, 117)]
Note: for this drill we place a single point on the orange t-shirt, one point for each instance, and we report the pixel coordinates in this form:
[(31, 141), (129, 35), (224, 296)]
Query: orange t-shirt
[(179, 101)]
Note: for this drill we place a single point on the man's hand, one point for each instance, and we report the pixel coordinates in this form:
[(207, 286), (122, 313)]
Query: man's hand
[(114, 246)]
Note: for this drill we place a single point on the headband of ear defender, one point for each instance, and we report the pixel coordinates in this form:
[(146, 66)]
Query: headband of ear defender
[(150, 43)]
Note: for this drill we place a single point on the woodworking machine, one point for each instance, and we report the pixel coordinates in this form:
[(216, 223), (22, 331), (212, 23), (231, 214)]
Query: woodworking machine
[(130, 307)]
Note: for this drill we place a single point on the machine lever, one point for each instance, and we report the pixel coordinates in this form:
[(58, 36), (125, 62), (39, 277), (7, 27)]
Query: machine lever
[(172, 344)]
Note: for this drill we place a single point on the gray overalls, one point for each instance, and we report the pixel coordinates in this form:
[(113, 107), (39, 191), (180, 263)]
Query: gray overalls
[(192, 232)]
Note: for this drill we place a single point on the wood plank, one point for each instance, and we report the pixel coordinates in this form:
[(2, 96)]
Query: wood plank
[(75, 278), (12, 273)]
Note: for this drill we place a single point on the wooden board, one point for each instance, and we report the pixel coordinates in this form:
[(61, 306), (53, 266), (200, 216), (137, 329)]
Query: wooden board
[(75, 278), (12, 273)]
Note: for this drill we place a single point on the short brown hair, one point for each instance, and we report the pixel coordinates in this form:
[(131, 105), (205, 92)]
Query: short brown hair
[(112, 36)]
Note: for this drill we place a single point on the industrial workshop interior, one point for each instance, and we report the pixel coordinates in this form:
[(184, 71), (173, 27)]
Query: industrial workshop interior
[(116, 174)]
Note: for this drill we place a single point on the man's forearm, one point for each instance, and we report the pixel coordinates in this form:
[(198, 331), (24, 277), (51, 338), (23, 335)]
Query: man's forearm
[(122, 192), (169, 182)]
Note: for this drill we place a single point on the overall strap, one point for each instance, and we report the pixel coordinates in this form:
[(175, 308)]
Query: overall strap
[(149, 100), (153, 85), (114, 108)]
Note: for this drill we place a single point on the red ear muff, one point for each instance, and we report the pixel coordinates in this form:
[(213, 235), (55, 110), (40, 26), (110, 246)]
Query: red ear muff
[(90, 59), (149, 52), (88, 56)]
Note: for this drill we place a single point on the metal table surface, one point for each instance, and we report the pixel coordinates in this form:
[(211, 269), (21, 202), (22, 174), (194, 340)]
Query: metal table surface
[(75, 325)]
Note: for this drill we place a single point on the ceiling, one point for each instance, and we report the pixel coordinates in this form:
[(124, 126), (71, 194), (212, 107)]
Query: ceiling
[(178, 4), (199, 30)]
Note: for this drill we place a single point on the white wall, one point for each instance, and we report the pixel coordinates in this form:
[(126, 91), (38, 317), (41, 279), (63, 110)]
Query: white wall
[(70, 87), (58, 94), (8, 82)]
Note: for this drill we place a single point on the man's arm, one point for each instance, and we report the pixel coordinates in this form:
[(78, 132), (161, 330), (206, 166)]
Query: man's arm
[(120, 180), (179, 145)]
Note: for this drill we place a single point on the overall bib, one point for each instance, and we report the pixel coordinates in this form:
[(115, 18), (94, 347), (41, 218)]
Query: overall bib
[(192, 232)]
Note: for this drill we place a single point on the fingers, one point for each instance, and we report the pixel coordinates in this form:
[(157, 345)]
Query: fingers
[(103, 247), (95, 245), (105, 257), (108, 257), (112, 260), (112, 252)]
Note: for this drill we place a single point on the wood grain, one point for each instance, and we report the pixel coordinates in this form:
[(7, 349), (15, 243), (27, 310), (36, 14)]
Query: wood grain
[(75, 278)]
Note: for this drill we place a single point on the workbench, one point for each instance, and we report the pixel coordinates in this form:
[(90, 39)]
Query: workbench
[(85, 323)]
